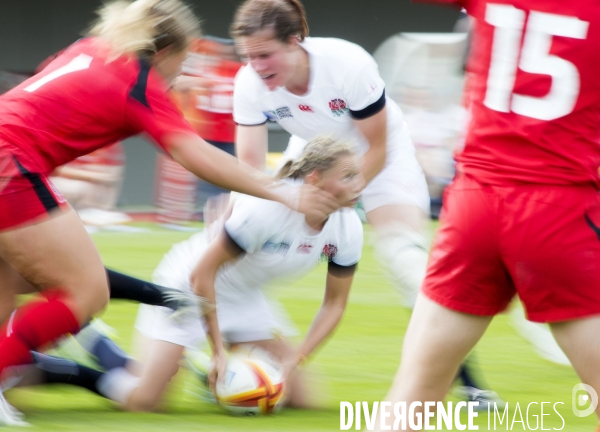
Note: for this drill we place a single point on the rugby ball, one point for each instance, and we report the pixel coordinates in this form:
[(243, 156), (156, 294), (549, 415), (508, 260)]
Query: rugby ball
[(252, 385)]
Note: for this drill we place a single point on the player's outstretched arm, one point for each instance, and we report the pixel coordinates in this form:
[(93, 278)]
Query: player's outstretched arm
[(220, 251), (337, 289), (222, 169)]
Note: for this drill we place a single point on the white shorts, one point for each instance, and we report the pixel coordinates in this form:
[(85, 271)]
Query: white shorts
[(401, 181), (243, 316)]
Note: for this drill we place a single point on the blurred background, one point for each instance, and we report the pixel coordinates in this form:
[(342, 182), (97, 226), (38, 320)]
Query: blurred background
[(33, 30)]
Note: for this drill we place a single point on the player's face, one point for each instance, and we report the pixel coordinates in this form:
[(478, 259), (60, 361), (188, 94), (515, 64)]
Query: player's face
[(344, 181), (168, 63), (274, 61)]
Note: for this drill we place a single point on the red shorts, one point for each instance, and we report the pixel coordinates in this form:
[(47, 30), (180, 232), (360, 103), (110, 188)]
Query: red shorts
[(25, 197), (541, 242)]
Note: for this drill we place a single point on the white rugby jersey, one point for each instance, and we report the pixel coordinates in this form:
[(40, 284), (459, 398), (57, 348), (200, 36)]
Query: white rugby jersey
[(278, 244), (344, 84)]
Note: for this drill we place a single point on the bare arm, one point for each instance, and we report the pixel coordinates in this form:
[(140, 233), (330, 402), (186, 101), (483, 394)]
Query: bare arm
[(220, 251), (337, 289), (220, 168), (374, 129), (251, 145)]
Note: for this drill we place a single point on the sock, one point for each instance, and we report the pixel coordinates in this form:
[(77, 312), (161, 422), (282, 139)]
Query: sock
[(129, 288), (118, 384), (109, 354), (33, 326), (62, 371), (465, 376)]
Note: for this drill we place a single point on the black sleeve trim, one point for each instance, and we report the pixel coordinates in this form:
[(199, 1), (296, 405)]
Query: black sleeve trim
[(231, 245), (371, 110), (257, 124), (138, 92), (341, 271)]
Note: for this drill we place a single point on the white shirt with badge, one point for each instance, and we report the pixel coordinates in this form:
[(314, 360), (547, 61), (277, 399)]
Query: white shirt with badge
[(343, 78), (278, 244)]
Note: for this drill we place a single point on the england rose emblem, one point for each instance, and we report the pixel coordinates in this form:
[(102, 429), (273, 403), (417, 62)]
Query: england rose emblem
[(329, 252), (338, 107)]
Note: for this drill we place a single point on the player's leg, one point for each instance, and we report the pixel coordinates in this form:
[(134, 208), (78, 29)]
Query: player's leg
[(539, 336), (58, 256), (155, 372), (436, 342), (400, 247), (11, 284), (579, 340), (396, 203), (556, 266), (127, 287)]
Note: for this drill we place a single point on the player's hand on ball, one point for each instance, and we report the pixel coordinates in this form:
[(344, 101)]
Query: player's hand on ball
[(217, 371)]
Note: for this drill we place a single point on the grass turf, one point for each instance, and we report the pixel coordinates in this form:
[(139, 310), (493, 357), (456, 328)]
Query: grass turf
[(356, 365)]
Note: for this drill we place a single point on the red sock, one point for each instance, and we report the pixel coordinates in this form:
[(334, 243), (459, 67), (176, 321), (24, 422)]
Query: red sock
[(33, 326)]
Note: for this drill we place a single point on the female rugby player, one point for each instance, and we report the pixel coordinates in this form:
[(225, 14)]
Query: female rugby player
[(102, 89)]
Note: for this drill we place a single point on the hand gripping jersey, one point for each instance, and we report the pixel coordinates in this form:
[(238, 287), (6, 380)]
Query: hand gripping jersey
[(81, 102), (534, 92), (344, 84)]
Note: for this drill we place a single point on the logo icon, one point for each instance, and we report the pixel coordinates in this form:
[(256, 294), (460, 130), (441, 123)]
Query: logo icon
[(304, 249), (305, 108), (583, 395), (329, 252), (338, 107)]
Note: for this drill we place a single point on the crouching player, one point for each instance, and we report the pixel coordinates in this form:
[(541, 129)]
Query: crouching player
[(261, 241)]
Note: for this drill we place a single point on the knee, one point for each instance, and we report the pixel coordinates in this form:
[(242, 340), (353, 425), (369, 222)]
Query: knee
[(142, 401), (89, 297)]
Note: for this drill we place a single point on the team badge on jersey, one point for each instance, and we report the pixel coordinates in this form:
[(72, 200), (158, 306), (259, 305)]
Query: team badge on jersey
[(329, 252), (338, 107)]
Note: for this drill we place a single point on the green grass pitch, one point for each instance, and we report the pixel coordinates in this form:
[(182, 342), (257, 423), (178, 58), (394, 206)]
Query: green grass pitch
[(357, 364)]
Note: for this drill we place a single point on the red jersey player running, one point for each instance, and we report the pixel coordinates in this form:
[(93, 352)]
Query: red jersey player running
[(523, 214), (102, 89)]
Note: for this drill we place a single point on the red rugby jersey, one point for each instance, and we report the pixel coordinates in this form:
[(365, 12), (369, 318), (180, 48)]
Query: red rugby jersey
[(81, 102), (534, 91)]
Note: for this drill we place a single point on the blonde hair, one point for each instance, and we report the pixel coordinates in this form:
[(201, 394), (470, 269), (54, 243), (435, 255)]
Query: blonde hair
[(285, 17), (144, 27), (320, 154)]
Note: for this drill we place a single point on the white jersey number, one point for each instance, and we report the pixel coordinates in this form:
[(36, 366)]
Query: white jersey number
[(535, 58), (81, 62)]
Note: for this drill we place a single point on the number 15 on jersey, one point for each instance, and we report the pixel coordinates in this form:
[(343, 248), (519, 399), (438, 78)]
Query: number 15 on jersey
[(532, 57)]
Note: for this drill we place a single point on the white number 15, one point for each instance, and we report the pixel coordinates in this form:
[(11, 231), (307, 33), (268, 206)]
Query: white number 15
[(535, 58)]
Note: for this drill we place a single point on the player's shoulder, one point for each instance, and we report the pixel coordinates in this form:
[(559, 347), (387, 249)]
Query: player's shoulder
[(347, 223), (248, 82), (336, 51), (260, 208)]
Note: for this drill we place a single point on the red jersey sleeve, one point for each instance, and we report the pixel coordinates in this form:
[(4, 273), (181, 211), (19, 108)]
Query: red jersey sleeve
[(149, 108)]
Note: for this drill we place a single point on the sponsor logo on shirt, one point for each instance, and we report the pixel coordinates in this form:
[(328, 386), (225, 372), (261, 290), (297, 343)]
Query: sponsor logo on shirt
[(329, 252), (278, 114), (271, 115), (304, 249), (338, 107), (305, 108), (280, 248)]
